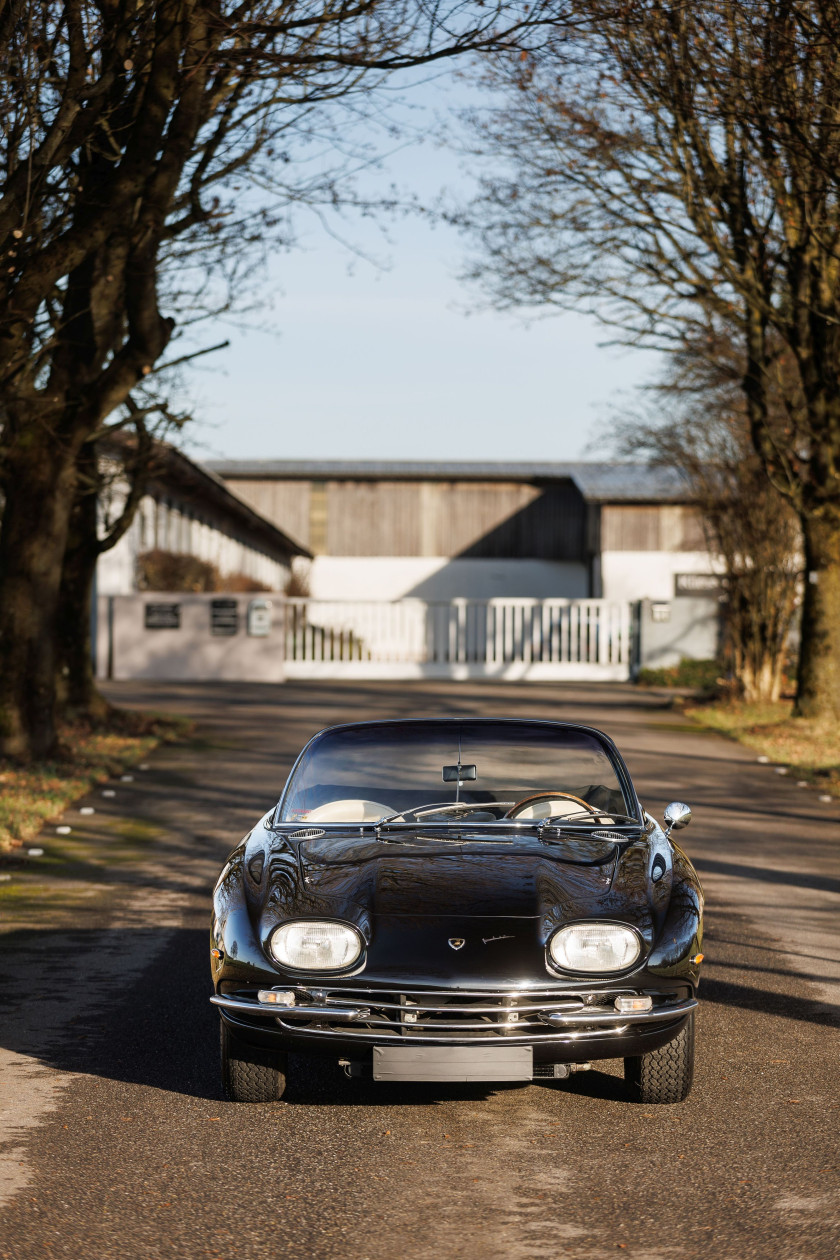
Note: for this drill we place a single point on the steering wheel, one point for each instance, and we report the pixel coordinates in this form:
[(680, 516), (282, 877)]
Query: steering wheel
[(528, 803)]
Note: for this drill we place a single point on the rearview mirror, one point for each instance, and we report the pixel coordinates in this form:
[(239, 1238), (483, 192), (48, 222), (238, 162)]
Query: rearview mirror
[(676, 815), (457, 774)]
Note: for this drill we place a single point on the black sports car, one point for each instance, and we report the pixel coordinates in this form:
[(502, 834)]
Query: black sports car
[(459, 900)]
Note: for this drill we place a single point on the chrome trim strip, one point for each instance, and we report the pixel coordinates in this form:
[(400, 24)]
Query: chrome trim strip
[(452, 1009), (542, 997), (438, 1024), (560, 1019), (335, 1013), (363, 1037)]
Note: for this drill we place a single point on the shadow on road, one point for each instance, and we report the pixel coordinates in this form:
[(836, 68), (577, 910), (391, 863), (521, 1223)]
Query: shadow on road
[(160, 1031), (767, 875), (726, 993)]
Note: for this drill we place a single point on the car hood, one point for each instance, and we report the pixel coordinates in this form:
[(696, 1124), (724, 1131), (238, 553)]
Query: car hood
[(419, 876), (443, 878)]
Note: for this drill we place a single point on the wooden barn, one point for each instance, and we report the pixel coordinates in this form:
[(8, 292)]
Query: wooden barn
[(389, 530)]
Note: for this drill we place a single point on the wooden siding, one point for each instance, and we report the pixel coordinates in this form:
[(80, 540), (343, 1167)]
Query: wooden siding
[(373, 518), (284, 503), (670, 527), (516, 520), (366, 517)]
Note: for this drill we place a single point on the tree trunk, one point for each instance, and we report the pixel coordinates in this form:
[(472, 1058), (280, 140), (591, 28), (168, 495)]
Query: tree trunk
[(77, 693), (818, 680), (39, 487), (761, 681), (76, 689)]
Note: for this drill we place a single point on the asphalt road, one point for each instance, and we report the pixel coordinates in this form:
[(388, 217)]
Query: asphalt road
[(116, 1143)]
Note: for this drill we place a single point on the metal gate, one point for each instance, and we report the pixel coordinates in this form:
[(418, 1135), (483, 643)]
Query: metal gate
[(576, 639)]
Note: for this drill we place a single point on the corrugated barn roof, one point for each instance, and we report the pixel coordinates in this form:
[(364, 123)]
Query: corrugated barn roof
[(602, 482)]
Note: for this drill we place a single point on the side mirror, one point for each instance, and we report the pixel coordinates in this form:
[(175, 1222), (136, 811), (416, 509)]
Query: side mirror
[(676, 815)]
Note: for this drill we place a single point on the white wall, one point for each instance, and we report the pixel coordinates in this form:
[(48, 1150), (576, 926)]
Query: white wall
[(126, 649), (115, 570), (649, 574), (436, 577)]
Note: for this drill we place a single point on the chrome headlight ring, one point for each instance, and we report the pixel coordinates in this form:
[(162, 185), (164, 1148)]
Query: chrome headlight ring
[(594, 947), (315, 945)]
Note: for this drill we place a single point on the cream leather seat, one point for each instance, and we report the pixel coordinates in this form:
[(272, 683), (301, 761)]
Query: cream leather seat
[(548, 807), (350, 810)]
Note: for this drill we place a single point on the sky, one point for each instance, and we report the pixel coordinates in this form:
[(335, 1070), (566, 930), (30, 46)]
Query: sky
[(353, 360)]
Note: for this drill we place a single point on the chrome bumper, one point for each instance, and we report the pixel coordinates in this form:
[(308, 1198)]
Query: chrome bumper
[(535, 1015)]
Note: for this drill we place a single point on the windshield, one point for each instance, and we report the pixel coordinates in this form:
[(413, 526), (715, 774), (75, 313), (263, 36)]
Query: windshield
[(441, 772)]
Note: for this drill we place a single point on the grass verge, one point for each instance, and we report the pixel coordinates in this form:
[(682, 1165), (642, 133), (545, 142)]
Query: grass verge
[(810, 747), (33, 795), (701, 676)]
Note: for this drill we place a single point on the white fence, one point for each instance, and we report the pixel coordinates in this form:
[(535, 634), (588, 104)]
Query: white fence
[(586, 639)]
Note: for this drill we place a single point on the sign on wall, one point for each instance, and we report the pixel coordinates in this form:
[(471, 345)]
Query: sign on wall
[(224, 616), (710, 585), (259, 618), (162, 616)]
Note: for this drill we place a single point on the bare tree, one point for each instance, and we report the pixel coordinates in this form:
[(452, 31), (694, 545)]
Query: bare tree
[(665, 161), (699, 426), (112, 474), (142, 145)]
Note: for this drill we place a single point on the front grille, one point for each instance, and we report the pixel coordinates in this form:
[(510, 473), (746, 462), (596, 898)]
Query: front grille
[(440, 1016)]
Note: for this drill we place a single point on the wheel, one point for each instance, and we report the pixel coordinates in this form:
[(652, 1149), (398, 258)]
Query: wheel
[(250, 1074), (664, 1075)]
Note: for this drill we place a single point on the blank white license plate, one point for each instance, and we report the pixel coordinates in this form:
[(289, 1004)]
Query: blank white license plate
[(453, 1063)]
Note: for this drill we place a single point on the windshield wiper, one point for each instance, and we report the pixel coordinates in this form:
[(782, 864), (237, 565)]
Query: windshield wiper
[(597, 825)]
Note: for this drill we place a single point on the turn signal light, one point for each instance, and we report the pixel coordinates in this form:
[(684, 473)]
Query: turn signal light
[(698, 958), (277, 997), (633, 1005)]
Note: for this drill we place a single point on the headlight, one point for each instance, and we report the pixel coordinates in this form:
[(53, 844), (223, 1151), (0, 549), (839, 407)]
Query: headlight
[(594, 947), (315, 946)]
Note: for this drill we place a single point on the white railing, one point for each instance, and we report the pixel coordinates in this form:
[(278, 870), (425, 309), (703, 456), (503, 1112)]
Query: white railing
[(462, 638)]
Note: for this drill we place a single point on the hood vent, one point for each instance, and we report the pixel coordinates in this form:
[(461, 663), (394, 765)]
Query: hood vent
[(307, 833)]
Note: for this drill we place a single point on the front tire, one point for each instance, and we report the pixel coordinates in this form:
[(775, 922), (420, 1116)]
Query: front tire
[(250, 1074), (665, 1075)]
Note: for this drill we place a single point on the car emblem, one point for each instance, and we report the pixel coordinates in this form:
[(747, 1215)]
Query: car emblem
[(456, 942)]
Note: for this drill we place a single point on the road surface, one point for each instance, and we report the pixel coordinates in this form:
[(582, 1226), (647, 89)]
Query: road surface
[(117, 1144)]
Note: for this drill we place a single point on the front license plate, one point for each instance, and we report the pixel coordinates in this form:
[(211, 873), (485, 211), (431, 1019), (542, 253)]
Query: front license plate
[(453, 1063)]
